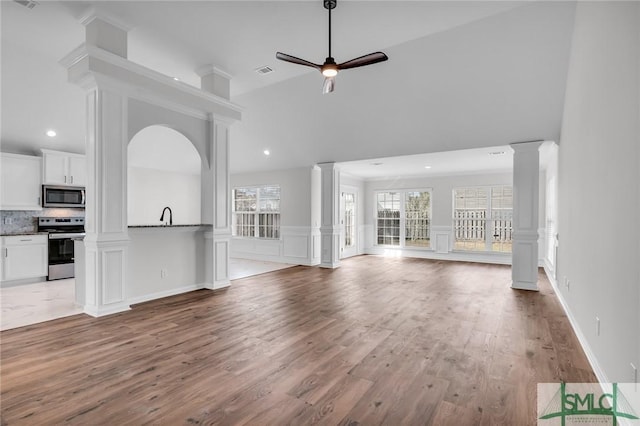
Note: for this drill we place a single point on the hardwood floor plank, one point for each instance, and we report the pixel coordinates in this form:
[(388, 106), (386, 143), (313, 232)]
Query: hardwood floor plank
[(376, 341)]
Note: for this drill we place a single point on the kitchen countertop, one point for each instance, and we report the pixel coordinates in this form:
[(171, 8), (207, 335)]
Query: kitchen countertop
[(18, 234), (165, 226)]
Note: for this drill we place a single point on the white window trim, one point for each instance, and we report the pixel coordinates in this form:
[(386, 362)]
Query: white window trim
[(256, 225), (403, 230), (488, 220)]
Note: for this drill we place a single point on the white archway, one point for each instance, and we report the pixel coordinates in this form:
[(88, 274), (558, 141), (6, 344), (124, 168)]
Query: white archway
[(163, 170)]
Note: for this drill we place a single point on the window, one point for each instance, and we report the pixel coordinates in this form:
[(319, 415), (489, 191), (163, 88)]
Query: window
[(482, 218), (388, 218), (403, 218), (256, 212)]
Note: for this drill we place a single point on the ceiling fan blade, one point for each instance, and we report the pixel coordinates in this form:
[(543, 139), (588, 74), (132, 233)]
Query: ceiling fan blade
[(294, 60), (371, 58), (329, 85)]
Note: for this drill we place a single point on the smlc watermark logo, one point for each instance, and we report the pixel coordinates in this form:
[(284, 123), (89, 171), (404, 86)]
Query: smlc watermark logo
[(588, 403)]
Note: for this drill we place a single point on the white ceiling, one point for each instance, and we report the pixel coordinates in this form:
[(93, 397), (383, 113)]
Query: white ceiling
[(469, 161), (461, 74)]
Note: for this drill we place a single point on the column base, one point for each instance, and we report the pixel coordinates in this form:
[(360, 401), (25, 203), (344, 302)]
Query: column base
[(217, 285), (104, 310), (521, 285), (330, 265)]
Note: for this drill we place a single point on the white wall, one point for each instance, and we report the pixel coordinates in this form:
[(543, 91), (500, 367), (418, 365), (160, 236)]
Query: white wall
[(298, 232), (165, 261), (599, 193), (149, 191), (442, 214)]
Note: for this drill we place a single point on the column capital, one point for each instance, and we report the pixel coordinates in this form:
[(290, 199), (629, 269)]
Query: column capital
[(105, 31), (332, 165), (526, 145), (214, 80)]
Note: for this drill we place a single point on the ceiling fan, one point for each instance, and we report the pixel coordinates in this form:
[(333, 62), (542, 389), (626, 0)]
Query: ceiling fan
[(330, 68)]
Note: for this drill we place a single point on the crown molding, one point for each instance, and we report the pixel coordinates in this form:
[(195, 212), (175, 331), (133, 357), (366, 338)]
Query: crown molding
[(88, 62)]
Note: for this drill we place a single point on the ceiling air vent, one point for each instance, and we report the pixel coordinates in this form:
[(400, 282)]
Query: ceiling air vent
[(264, 70), (29, 4)]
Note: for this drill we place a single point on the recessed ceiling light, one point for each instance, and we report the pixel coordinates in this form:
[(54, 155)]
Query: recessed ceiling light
[(51, 133), (176, 78), (377, 164), (266, 152), (427, 167), (497, 153)]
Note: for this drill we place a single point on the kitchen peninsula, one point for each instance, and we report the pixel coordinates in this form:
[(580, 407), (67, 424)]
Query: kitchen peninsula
[(162, 261)]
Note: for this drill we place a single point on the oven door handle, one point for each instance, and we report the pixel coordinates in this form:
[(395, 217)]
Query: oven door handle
[(63, 236)]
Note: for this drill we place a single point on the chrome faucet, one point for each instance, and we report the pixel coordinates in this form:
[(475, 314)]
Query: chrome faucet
[(170, 215)]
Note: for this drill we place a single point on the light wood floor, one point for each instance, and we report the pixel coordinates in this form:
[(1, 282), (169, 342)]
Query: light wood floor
[(377, 341)]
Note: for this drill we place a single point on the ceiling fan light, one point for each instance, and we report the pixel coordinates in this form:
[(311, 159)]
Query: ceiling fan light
[(329, 71)]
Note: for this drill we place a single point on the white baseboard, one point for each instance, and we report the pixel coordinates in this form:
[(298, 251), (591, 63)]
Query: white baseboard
[(14, 283), (276, 259), (101, 311), (591, 357), (164, 293), (494, 258)]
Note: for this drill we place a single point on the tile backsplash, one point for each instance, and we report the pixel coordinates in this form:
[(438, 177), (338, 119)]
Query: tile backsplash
[(21, 221)]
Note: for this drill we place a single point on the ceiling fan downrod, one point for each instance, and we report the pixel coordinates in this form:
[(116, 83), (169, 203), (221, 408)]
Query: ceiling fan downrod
[(330, 4)]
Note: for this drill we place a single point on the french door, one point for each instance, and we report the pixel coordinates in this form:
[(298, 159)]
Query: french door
[(348, 226)]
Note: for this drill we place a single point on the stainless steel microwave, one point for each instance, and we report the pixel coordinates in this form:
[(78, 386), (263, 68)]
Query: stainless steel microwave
[(63, 196)]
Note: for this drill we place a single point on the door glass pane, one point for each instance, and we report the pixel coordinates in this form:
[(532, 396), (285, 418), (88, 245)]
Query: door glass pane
[(417, 210), (349, 219)]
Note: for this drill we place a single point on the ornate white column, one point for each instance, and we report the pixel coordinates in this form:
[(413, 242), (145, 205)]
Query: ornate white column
[(330, 215), (219, 239), (216, 184), (526, 165), (107, 237)]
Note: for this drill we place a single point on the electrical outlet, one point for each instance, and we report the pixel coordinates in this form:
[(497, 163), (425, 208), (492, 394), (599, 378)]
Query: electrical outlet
[(163, 273), (597, 326), (8, 221)]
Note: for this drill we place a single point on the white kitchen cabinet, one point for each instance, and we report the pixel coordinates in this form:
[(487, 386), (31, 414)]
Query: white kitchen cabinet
[(24, 256), (21, 182), (64, 168)]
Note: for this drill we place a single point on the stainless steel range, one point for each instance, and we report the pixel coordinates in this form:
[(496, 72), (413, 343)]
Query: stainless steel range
[(63, 231)]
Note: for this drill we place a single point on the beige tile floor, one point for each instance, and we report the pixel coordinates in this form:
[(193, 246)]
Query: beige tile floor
[(33, 303)]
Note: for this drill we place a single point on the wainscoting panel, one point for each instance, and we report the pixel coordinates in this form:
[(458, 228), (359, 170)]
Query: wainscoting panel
[(298, 245), (441, 239)]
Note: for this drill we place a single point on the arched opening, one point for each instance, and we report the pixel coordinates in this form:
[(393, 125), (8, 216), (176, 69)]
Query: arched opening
[(164, 170)]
